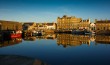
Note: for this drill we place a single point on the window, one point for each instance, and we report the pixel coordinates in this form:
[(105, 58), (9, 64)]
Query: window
[(104, 28), (98, 29)]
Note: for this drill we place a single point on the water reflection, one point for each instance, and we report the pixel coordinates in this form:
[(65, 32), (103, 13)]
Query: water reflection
[(48, 36), (76, 40), (32, 38), (62, 39), (8, 42), (72, 40), (61, 49), (102, 39)]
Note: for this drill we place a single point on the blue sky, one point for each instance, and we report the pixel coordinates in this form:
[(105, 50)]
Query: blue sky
[(49, 10)]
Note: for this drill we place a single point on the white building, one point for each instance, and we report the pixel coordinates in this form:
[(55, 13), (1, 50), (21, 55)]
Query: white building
[(51, 26)]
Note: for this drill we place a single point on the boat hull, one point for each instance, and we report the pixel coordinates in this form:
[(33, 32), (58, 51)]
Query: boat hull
[(81, 32), (16, 35)]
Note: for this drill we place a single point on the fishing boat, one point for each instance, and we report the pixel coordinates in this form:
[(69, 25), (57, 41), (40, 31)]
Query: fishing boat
[(12, 34), (16, 34)]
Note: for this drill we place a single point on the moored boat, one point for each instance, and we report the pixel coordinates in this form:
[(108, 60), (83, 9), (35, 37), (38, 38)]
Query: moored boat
[(37, 33), (16, 34), (81, 32), (12, 34)]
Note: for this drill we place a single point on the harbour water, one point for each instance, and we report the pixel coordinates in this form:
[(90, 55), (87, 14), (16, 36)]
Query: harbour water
[(60, 49)]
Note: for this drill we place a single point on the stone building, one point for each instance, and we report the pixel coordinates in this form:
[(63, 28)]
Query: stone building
[(102, 26), (29, 26), (84, 24), (39, 26), (10, 25), (51, 26), (92, 26), (72, 23), (46, 26)]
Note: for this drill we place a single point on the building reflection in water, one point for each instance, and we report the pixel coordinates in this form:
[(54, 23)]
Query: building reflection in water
[(72, 40), (8, 42), (29, 38), (92, 38), (62, 39), (48, 36), (99, 39)]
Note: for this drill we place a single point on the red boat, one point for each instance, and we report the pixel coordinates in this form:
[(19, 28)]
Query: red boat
[(16, 34)]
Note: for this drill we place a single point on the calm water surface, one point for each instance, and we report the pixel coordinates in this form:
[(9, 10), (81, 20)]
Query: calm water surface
[(61, 49)]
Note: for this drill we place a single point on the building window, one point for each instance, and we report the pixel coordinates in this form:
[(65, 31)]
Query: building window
[(104, 28), (98, 29)]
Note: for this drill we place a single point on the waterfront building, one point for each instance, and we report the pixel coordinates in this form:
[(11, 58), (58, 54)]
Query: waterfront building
[(10, 25), (102, 26), (84, 24), (72, 23), (67, 23), (51, 26), (46, 26), (29, 26), (92, 26), (41, 26)]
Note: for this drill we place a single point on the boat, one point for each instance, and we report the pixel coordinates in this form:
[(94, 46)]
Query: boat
[(39, 33), (81, 32), (78, 32), (12, 34), (36, 33), (16, 34)]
